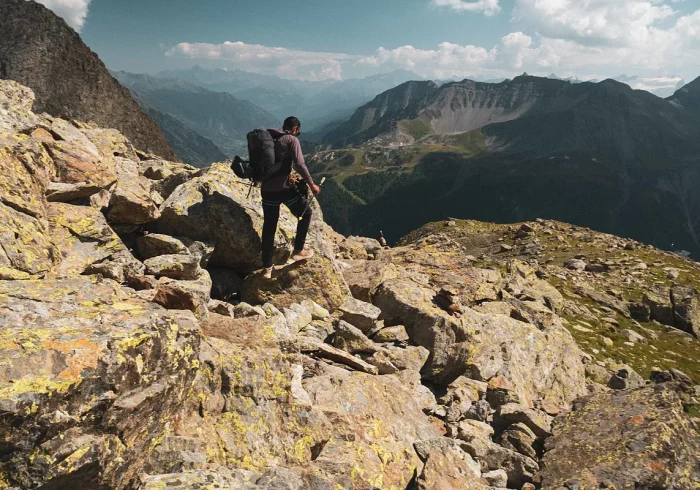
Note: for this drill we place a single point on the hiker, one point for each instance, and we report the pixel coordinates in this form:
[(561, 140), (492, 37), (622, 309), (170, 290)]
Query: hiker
[(278, 189)]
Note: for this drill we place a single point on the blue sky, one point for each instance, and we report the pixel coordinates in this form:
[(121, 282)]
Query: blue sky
[(336, 39)]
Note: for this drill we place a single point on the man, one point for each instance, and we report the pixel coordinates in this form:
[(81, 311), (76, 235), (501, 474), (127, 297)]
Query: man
[(277, 189)]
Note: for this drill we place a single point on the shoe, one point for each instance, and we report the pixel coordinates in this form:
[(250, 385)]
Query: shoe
[(268, 273), (307, 253)]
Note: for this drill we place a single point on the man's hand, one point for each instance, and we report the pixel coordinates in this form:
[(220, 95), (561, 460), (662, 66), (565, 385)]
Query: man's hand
[(315, 189)]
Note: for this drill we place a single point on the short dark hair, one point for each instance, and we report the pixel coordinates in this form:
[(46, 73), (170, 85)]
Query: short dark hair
[(290, 123)]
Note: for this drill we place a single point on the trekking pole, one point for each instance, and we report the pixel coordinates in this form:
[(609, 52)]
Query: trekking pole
[(313, 196)]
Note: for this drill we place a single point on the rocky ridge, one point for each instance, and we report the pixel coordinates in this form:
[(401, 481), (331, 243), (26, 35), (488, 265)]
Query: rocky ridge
[(447, 362), (39, 50)]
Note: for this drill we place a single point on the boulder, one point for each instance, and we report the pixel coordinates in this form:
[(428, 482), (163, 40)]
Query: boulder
[(396, 334), (352, 340), (133, 202), (90, 375), (214, 207), (25, 171), (191, 295), (61, 192), (87, 245), (360, 314), (539, 422), (625, 378), (77, 159), (653, 444), (519, 468), (467, 430), (154, 244), (449, 468), (686, 309), (175, 266), (518, 437), (372, 441), (315, 279), (658, 299), (544, 367)]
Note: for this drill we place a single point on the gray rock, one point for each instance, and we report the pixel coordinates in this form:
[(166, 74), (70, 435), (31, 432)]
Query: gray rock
[(633, 336), (392, 334), (352, 340), (179, 266), (520, 469), (539, 422), (242, 310), (658, 298), (468, 430), (575, 264), (652, 444), (686, 309), (520, 438), (154, 244), (317, 311), (496, 478), (625, 379), (360, 314)]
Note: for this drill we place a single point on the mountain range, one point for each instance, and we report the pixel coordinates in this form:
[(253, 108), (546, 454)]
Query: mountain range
[(218, 116), (596, 154), (315, 103)]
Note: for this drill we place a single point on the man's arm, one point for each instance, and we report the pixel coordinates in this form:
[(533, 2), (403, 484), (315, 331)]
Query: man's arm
[(300, 163)]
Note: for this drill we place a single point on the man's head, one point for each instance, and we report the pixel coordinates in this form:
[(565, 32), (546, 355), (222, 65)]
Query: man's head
[(292, 126)]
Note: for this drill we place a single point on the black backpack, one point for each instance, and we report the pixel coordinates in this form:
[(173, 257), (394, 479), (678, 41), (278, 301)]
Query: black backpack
[(261, 162)]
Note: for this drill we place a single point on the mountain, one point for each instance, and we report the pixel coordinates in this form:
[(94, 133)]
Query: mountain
[(190, 146), (596, 154), (39, 50), (317, 104), (471, 355), (660, 86), (347, 95), (688, 97), (276, 95), (219, 116)]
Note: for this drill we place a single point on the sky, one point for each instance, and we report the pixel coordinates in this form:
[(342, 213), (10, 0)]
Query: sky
[(657, 40)]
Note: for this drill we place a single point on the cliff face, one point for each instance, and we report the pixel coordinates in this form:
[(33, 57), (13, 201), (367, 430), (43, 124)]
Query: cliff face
[(39, 50)]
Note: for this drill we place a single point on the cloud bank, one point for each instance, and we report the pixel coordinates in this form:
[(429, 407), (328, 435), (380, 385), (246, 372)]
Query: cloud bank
[(74, 12), (584, 38), (486, 7)]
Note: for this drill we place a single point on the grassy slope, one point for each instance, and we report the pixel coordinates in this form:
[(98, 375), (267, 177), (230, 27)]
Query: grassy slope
[(672, 349)]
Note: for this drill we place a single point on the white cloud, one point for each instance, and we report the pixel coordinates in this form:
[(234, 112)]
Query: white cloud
[(593, 22), (582, 38), (74, 12), (286, 63), (486, 7)]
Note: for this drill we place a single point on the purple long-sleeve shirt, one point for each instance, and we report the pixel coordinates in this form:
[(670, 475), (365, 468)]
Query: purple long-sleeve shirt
[(287, 148)]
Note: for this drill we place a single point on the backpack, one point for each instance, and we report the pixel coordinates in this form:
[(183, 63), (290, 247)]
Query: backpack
[(261, 162)]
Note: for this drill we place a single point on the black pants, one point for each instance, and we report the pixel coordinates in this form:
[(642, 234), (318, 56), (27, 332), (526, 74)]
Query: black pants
[(271, 211)]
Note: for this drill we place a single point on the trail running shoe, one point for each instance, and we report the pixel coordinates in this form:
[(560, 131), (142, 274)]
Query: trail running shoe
[(307, 253)]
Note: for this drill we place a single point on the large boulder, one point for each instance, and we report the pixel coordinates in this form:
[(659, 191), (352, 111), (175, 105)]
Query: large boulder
[(627, 439), (90, 377), (686, 308), (215, 207), (133, 202), (544, 367), (87, 245), (25, 171)]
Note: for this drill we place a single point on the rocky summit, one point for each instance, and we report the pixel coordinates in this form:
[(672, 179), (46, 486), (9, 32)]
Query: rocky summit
[(142, 348)]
